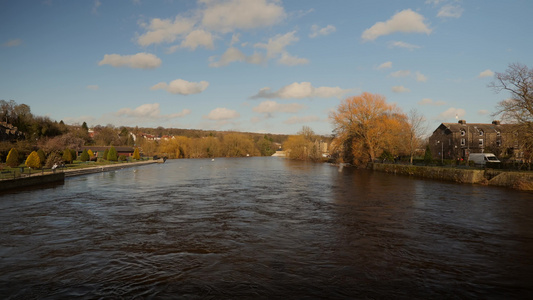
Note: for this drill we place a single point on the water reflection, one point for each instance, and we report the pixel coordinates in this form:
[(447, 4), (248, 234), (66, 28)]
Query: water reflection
[(264, 228)]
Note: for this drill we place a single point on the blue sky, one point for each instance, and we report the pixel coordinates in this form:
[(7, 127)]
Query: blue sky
[(256, 65)]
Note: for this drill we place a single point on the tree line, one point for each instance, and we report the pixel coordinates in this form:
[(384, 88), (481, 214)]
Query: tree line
[(366, 128)]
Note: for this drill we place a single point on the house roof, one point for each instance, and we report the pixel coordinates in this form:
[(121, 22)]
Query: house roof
[(473, 127)]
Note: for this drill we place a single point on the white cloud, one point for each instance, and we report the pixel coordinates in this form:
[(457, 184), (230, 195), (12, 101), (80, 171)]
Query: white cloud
[(233, 54), (137, 61), (198, 38), (301, 120), (399, 44), (400, 73), (428, 101), (450, 11), (12, 43), (256, 59), (301, 90), (483, 112), (221, 113), (167, 31), (385, 65), (269, 107), (149, 111), (227, 16), (317, 31), (275, 48), (182, 87), (400, 89), (451, 113), (277, 44), (93, 87), (486, 73), (420, 77), (289, 60), (406, 21)]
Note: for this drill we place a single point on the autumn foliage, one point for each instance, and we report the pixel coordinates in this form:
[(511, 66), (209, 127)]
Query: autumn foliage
[(33, 161), (12, 158), (366, 126)]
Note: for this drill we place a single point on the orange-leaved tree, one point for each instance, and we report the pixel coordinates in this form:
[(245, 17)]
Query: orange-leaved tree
[(365, 126)]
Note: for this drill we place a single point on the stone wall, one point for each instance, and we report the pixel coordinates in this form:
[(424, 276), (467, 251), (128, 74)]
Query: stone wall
[(516, 180)]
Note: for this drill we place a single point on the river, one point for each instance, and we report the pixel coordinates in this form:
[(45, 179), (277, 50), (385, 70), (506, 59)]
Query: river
[(264, 228)]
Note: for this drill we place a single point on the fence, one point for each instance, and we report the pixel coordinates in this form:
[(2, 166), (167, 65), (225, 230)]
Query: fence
[(21, 172)]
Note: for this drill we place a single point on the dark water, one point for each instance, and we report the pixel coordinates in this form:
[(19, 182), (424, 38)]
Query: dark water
[(264, 228)]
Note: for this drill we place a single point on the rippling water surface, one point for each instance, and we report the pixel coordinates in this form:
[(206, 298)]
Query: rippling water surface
[(264, 228)]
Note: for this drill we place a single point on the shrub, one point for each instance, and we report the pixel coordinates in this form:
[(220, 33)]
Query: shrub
[(53, 159), (42, 156), (122, 157), (33, 161), (112, 154), (136, 154), (67, 156), (106, 152), (84, 156), (12, 158), (74, 154), (428, 157)]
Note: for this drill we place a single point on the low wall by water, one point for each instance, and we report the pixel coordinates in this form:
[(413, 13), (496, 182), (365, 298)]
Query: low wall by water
[(516, 180), (31, 181)]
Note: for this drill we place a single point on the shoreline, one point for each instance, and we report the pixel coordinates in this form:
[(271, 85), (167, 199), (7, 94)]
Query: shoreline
[(34, 180), (516, 180), (106, 168)]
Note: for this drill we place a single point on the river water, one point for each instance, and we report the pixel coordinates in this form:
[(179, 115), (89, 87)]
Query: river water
[(264, 228)]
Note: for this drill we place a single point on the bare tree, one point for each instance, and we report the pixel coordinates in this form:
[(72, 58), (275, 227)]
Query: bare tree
[(517, 80), (416, 130)]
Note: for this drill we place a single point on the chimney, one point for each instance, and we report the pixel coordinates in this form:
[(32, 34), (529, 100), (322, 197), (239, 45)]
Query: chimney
[(463, 122), (496, 122)]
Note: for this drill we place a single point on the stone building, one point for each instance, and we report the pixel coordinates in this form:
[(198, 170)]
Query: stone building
[(457, 140)]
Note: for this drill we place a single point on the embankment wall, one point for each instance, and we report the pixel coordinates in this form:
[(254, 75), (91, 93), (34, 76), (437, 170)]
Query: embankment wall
[(31, 181), (515, 180)]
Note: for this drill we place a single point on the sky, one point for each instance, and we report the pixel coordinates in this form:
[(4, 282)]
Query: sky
[(257, 65)]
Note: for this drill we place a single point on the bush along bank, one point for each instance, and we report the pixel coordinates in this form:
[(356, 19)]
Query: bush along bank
[(515, 180)]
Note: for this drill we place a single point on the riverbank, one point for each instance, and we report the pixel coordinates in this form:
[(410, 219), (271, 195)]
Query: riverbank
[(60, 175), (106, 168), (515, 180)]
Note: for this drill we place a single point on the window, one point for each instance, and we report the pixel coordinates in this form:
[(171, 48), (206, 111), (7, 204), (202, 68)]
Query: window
[(481, 133), (463, 142), (463, 132), (498, 143), (497, 133), (480, 142)]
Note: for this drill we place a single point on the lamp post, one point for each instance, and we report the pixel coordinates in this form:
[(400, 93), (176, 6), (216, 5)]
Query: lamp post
[(441, 152)]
